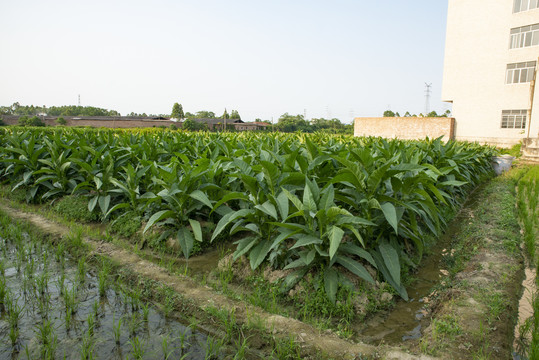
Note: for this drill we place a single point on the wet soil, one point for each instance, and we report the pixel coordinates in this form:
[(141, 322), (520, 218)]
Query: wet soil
[(28, 262)]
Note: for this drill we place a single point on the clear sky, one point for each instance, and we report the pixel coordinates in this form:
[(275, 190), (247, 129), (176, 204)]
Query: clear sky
[(338, 58)]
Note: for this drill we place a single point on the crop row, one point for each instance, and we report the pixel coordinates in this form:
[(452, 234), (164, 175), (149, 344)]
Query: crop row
[(310, 203)]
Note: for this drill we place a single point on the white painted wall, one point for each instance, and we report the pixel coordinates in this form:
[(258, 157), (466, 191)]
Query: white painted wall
[(476, 56)]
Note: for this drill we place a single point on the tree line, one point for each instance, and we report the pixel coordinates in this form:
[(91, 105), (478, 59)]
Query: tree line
[(389, 113), (66, 110)]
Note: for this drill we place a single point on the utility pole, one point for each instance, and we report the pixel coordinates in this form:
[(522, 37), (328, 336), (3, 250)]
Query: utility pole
[(79, 99), (532, 95), (427, 98)]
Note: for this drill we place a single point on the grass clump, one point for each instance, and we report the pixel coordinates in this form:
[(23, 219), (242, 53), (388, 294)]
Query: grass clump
[(126, 226), (75, 208)]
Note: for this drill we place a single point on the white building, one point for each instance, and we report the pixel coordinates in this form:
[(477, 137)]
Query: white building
[(491, 55)]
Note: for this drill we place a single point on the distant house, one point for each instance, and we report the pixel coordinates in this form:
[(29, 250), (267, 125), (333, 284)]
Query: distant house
[(251, 126), (216, 124)]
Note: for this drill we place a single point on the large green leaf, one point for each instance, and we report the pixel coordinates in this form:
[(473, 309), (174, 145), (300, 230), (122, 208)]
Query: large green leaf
[(355, 268), (203, 198), (185, 239), (331, 283), (282, 205), (104, 203), (268, 209), (158, 216), (335, 235), (391, 215), (227, 219), (259, 253), (305, 240), (197, 230), (356, 250), (244, 245), (391, 261)]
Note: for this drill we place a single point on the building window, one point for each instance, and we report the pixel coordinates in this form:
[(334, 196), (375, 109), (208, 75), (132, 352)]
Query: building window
[(514, 119), (520, 72), (524, 5), (524, 36)]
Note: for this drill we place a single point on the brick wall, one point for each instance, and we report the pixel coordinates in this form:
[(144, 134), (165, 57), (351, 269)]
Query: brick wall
[(107, 123), (407, 128)]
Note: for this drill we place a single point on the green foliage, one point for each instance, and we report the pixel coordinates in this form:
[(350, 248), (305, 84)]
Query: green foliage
[(2, 123), (389, 113), (69, 110), (61, 121), (33, 121), (177, 111), (126, 225), (203, 114), (290, 123), (234, 114), (515, 150), (225, 115), (310, 203), (75, 208), (192, 125)]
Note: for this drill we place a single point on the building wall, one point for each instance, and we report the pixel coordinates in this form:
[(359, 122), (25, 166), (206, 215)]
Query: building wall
[(116, 123), (476, 57), (404, 127)]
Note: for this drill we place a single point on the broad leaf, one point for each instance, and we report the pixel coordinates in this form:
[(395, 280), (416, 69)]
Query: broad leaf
[(331, 283), (391, 215), (197, 230), (355, 268), (158, 216), (305, 240), (335, 235), (391, 261), (200, 196), (185, 239)]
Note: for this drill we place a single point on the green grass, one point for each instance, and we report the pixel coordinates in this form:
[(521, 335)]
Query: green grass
[(75, 208)]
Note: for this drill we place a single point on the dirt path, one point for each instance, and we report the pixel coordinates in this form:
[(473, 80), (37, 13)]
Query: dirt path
[(310, 338)]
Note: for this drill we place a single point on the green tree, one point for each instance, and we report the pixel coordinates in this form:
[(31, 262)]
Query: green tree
[(177, 111), (203, 114), (389, 113), (291, 123), (234, 114), (225, 115), (61, 121)]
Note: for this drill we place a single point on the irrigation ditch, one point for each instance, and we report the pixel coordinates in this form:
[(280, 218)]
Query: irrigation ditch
[(463, 304)]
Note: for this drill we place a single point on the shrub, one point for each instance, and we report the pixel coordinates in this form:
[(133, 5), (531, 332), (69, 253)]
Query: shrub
[(33, 121), (61, 121)]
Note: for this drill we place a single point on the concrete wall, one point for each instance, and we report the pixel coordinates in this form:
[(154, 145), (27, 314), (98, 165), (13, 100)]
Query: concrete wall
[(405, 127), (476, 57)]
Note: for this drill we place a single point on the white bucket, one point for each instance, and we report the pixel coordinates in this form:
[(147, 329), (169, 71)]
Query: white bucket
[(502, 163)]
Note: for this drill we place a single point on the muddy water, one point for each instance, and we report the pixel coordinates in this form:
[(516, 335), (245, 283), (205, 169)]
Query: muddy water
[(27, 264), (407, 319)]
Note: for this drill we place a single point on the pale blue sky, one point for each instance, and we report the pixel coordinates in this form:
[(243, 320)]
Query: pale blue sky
[(263, 58)]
